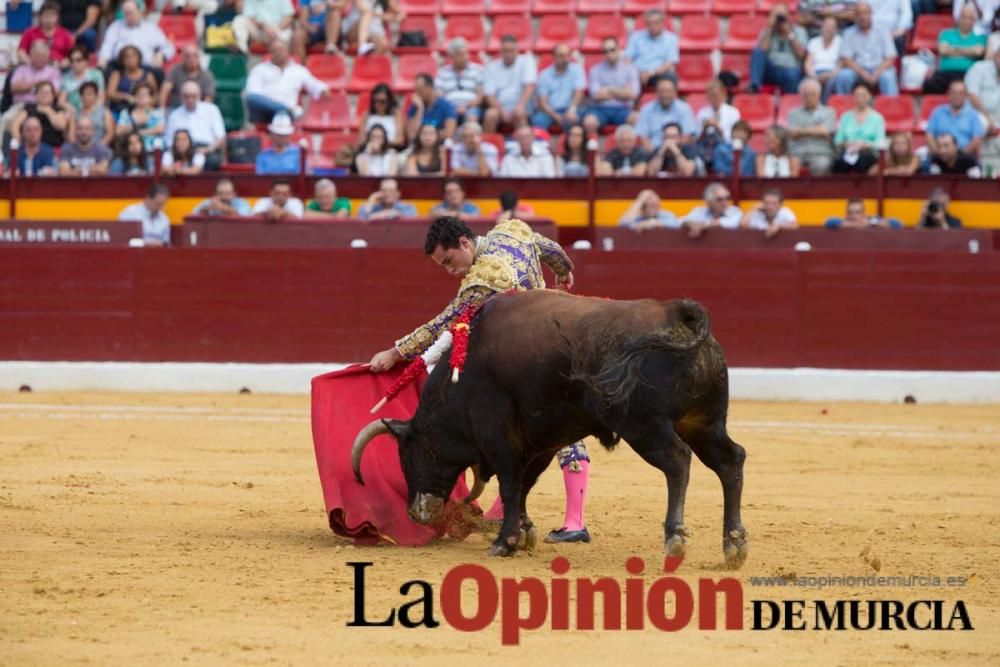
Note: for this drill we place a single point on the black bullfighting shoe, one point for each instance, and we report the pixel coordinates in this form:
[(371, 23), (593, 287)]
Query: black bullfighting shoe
[(563, 535)]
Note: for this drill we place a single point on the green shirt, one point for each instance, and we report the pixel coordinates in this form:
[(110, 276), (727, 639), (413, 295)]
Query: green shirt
[(953, 37), (872, 131), (340, 204)]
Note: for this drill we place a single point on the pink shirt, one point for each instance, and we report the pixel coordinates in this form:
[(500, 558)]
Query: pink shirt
[(28, 74)]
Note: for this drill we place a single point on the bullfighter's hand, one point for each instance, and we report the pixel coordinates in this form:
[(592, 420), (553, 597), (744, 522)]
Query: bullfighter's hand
[(566, 281), (385, 360)]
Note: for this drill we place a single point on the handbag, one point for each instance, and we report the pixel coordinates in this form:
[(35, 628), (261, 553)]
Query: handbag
[(243, 149), (412, 38)]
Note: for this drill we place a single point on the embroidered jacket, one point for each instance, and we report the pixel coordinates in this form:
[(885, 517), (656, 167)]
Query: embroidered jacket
[(508, 257)]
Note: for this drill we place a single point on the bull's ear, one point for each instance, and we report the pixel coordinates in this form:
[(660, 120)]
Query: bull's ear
[(399, 428)]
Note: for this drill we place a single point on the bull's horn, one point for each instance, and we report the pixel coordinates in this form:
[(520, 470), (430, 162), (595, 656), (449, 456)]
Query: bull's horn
[(478, 486), (375, 428)]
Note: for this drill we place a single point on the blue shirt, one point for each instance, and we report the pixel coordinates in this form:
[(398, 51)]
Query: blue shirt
[(271, 162), (965, 126), (558, 88), (403, 210), (621, 75), (45, 157), (467, 208), (653, 118), (317, 11), (648, 53), (436, 114)]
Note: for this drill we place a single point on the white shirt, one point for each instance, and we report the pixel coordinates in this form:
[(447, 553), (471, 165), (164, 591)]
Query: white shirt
[(154, 227), (284, 85), (784, 218), (701, 215), (204, 124), (147, 37), (727, 115), (987, 8), (507, 83), (540, 164), (892, 15), (167, 161), (294, 206), (825, 58)]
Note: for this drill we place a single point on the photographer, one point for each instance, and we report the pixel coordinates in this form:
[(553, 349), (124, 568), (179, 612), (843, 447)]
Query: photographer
[(935, 214), (779, 54)]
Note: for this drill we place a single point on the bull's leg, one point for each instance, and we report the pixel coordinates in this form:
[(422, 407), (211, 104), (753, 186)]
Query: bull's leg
[(664, 450), (532, 471), (510, 529), (713, 446)]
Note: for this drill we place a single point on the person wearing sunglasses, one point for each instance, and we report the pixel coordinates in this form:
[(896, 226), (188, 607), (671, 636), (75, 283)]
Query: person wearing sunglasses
[(614, 87)]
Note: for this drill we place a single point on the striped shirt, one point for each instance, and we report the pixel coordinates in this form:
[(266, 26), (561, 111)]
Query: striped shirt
[(460, 88)]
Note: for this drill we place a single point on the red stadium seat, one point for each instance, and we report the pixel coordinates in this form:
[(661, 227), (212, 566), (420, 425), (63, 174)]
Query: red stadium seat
[(330, 143), (840, 103), (547, 7), (758, 110), (743, 32), (592, 7), (730, 7), (496, 139), (898, 113), (330, 69), (503, 7), (764, 6), (697, 101), (699, 33), (368, 71), (463, 7), (421, 7), (469, 27), (689, 6), (591, 59), (409, 66), (927, 106), (557, 29), (694, 72), (758, 142), (179, 29), (419, 23), (601, 26), (738, 64), (517, 26), (787, 103), (926, 31), (328, 113), (639, 7)]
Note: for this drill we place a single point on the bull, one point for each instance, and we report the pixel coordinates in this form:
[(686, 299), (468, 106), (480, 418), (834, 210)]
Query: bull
[(546, 368)]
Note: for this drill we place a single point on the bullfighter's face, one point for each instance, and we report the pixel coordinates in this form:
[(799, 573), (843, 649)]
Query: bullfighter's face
[(456, 261)]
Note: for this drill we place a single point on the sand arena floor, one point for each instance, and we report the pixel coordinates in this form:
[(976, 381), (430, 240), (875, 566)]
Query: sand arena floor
[(140, 529)]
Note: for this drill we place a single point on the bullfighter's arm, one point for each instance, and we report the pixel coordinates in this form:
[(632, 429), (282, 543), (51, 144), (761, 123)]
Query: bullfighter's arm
[(552, 254), (423, 337)]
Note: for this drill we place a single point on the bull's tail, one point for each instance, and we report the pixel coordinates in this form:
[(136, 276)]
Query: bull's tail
[(619, 373)]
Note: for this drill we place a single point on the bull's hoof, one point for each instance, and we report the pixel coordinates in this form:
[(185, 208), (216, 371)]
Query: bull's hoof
[(676, 545), (735, 547), (502, 548), (528, 538)]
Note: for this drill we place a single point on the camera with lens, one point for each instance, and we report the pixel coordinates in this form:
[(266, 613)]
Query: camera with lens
[(780, 19), (934, 207)]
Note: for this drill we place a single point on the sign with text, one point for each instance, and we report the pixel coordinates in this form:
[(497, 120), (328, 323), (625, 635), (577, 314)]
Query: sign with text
[(36, 232)]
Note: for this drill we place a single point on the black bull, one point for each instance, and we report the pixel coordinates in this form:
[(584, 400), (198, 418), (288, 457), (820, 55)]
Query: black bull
[(545, 369)]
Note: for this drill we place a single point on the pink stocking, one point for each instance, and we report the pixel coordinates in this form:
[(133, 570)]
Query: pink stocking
[(575, 482), (495, 513)]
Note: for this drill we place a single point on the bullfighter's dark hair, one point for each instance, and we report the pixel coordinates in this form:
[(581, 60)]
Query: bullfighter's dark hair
[(446, 232)]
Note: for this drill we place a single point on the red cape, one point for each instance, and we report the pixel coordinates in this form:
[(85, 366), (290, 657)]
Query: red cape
[(377, 511)]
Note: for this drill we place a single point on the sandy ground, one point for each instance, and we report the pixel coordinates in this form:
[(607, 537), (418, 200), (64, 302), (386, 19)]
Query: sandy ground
[(161, 529)]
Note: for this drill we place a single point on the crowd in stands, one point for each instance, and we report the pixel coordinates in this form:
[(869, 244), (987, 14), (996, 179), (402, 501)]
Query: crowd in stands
[(101, 88)]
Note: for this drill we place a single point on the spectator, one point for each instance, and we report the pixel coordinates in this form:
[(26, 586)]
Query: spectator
[(384, 110), (384, 203), (282, 157), (281, 204), (823, 52), (79, 72), (771, 215), (182, 158), (655, 50), (224, 203), (426, 157), (362, 25), (124, 79), (85, 156), (779, 54), (665, 109), (946, 158), (454, 202), (511, 208), (429, 108), (263, 21), (860, 135), (145, 119), (673, 157), (935, 214), (868, 54), (529, 160), (203, 121), (993, 44), (35, 158), (319, 23), (777, 162), (48, 111), (131, 159), (724, 154), (900, 160), (326, 203), (561, 87), (574, 161), (896, 18), (472, 156), (155, 223), (614, 88), (959, 47), (38, 68), (986, 11), (812, 13), (856, 218), (508, 86), (133, 30), (627, 158), (957, 118), (48, 30), (274, 86), (983, 84), (188, 69), (99, 115), (376, 157), (80, 18), (717, 115), (461, 81), (718, 211), (645, 213), (811, 129)]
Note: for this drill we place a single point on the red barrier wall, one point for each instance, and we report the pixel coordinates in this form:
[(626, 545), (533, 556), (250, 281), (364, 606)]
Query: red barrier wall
[(836, 309)]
